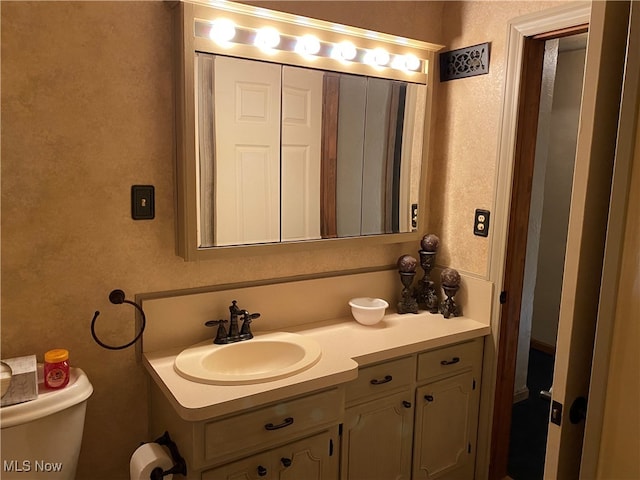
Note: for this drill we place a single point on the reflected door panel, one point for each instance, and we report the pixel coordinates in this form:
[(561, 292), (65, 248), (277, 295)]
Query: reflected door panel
[(411, 153), (350, 148), (375, 155), (247, 162), (300, 150)]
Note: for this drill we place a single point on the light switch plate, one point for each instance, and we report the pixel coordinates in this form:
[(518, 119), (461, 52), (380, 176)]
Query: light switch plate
[(143, 202)]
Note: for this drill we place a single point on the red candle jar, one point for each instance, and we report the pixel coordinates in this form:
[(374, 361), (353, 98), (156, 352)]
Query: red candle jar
[(56, 368)]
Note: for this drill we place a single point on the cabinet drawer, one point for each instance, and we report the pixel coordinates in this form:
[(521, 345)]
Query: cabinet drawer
[(313, 458), (270, 425), (381, 379), (449, 360)]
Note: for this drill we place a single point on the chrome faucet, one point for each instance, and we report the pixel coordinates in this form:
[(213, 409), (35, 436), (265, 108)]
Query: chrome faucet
[(234, 334)]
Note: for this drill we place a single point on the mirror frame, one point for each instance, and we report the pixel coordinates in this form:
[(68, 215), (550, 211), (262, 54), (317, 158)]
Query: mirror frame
[(187, 44)]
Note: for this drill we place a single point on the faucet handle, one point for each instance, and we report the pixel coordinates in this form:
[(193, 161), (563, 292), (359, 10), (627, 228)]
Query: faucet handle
[(247, 318), (221, 334)]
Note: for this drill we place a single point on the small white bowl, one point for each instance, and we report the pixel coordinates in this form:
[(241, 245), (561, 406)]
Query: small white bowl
[(5, 378), (368, 311)]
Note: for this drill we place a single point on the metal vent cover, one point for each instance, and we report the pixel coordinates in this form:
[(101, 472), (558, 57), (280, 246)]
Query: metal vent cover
[(465, 62)]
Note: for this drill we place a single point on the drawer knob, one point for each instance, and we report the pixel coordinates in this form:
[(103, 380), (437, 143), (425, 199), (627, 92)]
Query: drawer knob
[(262, 471), (386, 379), (286, 462), (450, 362), (286, 422), (428, 398)]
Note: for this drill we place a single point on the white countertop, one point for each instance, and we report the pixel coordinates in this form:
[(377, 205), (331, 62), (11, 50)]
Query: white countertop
[(345, 345)]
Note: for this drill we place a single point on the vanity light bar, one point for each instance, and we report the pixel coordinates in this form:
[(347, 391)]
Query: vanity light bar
[(226, 34)]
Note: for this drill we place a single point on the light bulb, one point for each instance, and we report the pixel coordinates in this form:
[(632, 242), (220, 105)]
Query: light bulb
[(307, 45), (412, 62), (222, 31), (267, 38), (380, 56), (406, 62), (399, 62), (344, 51)]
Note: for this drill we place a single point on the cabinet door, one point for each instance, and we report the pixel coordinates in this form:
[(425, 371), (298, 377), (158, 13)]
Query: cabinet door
[(446, 425), (377, 438), (313, 458)]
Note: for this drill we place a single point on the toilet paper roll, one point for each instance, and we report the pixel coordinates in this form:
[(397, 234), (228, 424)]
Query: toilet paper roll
[(147, 457)]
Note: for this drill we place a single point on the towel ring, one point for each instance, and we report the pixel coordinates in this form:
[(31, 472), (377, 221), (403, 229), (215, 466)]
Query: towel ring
[(117, 297)]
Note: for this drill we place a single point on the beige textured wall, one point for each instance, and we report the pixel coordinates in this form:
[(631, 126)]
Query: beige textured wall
[(87, 112), (466, 141)]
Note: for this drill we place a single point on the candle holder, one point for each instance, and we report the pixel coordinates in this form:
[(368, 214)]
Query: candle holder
[(450, 285), (407, 270), (425, 293)]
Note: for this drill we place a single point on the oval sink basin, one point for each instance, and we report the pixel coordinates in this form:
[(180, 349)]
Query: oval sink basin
[(264, 358)]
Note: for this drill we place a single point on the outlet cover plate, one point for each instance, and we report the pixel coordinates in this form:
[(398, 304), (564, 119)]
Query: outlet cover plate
[(481, 223)]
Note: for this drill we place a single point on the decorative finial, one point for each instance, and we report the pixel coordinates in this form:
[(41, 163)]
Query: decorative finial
[(407, 264), (430, 243), (450, 277)]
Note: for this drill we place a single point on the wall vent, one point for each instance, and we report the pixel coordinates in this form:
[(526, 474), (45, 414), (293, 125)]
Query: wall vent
[(464, 62)]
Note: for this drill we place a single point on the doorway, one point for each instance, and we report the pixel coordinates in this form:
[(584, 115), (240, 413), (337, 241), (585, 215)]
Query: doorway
[(555, 148), (530, 162)]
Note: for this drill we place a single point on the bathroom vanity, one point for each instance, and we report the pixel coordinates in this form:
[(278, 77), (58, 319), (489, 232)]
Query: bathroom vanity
[(395, 401)]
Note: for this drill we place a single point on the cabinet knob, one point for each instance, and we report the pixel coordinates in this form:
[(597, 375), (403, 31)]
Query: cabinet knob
[(428, 398), (286, 461), (261, 471), (406, 404)]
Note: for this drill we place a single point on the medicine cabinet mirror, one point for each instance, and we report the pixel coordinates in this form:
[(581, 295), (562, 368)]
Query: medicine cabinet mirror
[(292, 144)]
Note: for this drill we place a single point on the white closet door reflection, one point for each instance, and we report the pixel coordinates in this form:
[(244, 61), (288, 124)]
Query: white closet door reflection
[(301, 151), (247, 122)]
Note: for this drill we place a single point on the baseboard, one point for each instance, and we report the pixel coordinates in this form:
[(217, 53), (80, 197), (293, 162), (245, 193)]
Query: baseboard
[(543, 347), (521, 395)]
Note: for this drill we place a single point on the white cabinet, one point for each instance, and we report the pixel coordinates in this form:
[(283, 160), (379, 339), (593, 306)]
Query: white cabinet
[(377, 438), (313, 458), (414, 417), (294, 439), (446, 421), (377, 431)]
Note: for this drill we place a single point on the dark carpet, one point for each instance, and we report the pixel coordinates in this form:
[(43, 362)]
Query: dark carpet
[(530, 421)]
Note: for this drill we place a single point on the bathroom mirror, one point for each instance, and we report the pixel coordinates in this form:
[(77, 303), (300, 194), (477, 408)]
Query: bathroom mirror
[(289, 153), (281, 148)]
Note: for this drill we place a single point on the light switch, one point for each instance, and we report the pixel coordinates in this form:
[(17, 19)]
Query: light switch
[(142, 202)]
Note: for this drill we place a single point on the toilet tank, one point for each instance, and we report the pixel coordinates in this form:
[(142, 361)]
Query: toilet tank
[(41, 439)]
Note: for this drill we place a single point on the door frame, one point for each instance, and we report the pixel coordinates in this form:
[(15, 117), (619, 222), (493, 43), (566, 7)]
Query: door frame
[(559, 18)]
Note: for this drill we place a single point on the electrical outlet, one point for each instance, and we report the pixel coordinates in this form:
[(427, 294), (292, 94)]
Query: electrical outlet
[(414, 215), (142, 202), (481, 223)]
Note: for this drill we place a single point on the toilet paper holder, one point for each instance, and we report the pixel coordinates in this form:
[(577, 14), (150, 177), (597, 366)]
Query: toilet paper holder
[(179, 465)]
